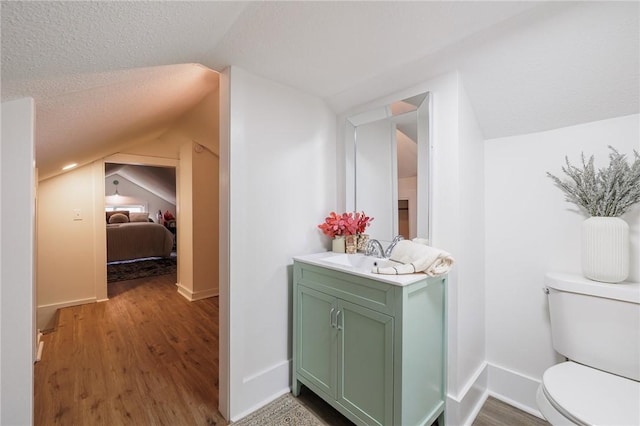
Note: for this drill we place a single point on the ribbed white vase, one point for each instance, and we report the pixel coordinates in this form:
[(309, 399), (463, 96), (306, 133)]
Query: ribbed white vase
[(605, 249)]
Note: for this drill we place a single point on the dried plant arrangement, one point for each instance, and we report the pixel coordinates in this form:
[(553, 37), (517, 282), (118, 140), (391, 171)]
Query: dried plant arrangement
[(606, 192)]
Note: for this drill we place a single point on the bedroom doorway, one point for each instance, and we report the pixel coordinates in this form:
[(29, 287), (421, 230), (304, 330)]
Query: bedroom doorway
[(141, 215)]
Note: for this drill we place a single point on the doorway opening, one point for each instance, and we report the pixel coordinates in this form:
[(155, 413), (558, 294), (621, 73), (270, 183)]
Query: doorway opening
[(141, 216)]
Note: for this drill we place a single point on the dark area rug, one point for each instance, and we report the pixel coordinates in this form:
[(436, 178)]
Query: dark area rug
[(132, 270)]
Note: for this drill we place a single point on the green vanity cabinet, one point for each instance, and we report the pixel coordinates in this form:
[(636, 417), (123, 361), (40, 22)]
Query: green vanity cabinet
[(374, 350)]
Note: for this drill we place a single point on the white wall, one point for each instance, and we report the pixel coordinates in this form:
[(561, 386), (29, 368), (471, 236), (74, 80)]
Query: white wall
[(471, 349), (531, 230), (282, 154), (458, 227), (17, 221)]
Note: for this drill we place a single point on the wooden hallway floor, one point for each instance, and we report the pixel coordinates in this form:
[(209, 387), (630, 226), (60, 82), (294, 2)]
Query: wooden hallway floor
[(145, 357)]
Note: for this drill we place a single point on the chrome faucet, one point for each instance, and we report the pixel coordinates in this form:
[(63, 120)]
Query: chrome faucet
[(374, 247), (396, 239)]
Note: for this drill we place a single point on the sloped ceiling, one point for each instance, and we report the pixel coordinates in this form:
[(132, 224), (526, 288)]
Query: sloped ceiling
[(160, 181), (117, 109), (103, 72)]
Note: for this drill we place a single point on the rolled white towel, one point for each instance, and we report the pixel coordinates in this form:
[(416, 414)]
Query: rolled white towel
[(415, 256)]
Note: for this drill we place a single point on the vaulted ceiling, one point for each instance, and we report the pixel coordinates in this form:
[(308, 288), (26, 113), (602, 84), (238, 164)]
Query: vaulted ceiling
[(160, 181), (100, 71)]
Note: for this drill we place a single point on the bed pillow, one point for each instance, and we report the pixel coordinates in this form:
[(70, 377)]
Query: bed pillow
[(124, 212), (118, 218), (138, 217)]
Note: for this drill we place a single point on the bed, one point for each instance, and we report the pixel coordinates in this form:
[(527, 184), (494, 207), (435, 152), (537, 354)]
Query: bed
[(134, 240)]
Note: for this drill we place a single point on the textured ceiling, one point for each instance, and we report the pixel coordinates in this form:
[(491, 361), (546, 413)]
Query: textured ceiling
[(57, 38), (320, 47), (116, 110), (100, 71)]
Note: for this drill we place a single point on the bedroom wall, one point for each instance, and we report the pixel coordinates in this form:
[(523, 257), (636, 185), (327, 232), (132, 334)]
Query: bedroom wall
[(198, 222), (199, 182), (205, 221), (68, 248), (531, 230), (131, 193), (184, 186)]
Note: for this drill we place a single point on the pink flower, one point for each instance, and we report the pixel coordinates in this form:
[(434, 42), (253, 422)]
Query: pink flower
[(345, 224), (363, 221)]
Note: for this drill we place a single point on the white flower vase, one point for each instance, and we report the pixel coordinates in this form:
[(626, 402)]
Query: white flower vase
[(605, 249), (338, 244)]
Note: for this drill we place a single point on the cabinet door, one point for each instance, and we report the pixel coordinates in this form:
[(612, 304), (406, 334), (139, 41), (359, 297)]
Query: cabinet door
[(316, 339), (365, 363)]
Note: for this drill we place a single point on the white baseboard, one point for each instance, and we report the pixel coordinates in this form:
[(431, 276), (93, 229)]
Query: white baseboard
[(513, 388), (463, 408), (47, 313), (501, 383), (273, 381), (192, 296)]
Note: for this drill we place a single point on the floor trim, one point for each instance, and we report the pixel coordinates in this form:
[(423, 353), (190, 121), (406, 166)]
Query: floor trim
[(463, 408), (46, 313), (513, 388), (273, 381), (192, 296)]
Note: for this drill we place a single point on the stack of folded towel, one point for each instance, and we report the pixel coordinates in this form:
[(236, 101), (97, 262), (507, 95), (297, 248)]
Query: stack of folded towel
[(409, 257)]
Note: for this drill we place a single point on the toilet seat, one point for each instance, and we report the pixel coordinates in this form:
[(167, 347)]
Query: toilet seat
[(586, 396)]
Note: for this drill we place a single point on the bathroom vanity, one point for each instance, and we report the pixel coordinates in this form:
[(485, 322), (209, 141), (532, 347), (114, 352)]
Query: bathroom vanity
[(373, 346)]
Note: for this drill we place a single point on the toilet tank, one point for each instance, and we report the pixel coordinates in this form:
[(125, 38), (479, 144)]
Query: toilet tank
[(596, 324)]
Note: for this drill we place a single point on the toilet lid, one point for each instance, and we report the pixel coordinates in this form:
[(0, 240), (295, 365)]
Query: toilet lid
[(592, 397)]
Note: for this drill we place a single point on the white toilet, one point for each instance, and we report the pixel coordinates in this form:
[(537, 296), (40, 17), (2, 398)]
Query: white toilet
[(596, 326)]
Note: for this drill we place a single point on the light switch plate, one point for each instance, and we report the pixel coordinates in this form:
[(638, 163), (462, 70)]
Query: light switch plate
[(77, 214)]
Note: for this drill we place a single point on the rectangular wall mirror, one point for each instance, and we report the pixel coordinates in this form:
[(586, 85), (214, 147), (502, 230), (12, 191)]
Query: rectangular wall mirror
[(388, 156)]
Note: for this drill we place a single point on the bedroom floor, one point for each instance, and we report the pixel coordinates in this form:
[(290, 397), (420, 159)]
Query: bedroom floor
[(146, 356)]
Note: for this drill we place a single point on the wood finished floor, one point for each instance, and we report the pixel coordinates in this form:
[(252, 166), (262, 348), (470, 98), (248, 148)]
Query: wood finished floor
[(493, 413), (145, 357), (497, 413), (149, 357)]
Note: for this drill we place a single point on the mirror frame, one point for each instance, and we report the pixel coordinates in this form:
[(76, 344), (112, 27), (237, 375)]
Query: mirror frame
[(424, 193)]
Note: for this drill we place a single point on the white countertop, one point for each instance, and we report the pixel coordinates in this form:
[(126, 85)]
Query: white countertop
[(321, 259)]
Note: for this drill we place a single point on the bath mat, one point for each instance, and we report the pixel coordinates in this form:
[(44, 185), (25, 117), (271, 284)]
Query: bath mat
[(285, 410)]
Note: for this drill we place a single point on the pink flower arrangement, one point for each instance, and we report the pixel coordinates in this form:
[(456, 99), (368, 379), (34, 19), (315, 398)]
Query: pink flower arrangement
[(345, 224), (363, 221)]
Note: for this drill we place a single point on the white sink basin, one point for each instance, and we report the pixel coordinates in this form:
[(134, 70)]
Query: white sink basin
[(356, 261), (358, 264)]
